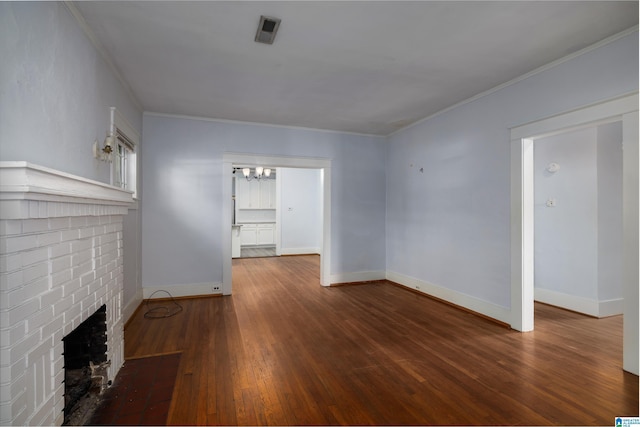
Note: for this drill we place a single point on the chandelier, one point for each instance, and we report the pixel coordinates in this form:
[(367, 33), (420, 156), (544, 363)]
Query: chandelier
[(260, 173)]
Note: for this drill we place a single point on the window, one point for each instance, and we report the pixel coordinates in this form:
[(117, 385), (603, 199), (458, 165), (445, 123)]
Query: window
[(125, 164)]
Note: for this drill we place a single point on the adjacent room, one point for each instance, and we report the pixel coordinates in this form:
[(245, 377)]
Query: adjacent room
[(319, 212)]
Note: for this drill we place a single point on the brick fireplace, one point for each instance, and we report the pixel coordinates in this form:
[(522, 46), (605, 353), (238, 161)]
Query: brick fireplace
[(61, 260)]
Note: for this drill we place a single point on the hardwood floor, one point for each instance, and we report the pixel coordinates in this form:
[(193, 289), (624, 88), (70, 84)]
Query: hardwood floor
[(285, 351)]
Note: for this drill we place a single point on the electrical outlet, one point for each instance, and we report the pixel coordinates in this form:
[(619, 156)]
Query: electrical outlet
[(216, 288)]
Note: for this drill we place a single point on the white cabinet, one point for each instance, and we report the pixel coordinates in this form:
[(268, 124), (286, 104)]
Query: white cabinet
[(258, 234), (266, 234), (268, 194), (256, 194), (247, 194), (249, 235)]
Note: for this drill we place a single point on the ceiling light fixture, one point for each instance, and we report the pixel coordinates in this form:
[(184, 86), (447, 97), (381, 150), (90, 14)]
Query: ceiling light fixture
[(267, 29), (259, 174)]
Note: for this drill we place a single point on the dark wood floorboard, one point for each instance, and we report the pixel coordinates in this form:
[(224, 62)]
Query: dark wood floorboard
[(285, 351)]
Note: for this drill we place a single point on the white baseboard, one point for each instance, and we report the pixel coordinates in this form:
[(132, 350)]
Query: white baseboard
[(588, 306), (578, 304), (611, 307), (299, 251), (471, 303), (358, 276), (132, 306), (186, 290)]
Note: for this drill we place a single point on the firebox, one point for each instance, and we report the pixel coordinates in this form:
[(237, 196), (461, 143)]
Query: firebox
[(85, 367)]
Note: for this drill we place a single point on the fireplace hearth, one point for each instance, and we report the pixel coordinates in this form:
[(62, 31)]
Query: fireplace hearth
[(85, 368)]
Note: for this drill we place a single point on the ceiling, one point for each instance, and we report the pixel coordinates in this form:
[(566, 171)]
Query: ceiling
[(368, 67)]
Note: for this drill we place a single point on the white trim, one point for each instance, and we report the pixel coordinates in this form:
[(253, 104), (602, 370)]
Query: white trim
[(471, 303), (624, 109), (358, 276), (120, 122), (575, 303), (21, 180), (631, 240), (594, 114), (538, 70), (588, 306), (184, 290), (102, 51), (130, 308), (241, 122), (300, 251), (228, 161), (612, 307)]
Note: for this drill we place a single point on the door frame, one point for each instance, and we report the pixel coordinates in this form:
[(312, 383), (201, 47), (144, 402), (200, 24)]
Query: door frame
[(624, 109), (265, 160)]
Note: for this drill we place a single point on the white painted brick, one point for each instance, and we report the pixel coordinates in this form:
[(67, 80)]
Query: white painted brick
[(79, 258), (50, 297), (35, 256), (60, 249), (87, 278), (60, 307), (81, 245), (35, 225), (34, 209), (18, 243), (9, 281), (79, 295), (10, 262), (22, 312), (61, 263), (47, 239), (67, 235), (58, 223), (39, 319), (73, 314), (60, 278), (78, 222), (20, 348), (35, 272), (14, 297), (86, 232), (54, 325), (5, 339), (17, 331), (70, 286), (10, 226), (43, 210), (93, 221), (82, 269)]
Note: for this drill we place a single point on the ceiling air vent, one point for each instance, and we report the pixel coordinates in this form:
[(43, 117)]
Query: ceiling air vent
[(267, 29)]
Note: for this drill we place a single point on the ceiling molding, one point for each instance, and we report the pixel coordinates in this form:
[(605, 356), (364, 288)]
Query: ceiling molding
[(538, 70), (241, 122)]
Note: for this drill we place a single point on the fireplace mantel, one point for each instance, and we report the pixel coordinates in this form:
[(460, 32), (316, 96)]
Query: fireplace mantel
[(61, 258), (24, 182)]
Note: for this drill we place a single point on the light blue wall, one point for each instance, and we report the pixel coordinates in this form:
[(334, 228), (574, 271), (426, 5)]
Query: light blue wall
[(300, 210), (55, 97), (55, 90), (566, 236), (449, 226), (182, 186)]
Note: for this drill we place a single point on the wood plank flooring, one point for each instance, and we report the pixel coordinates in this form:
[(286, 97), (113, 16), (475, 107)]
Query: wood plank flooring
[(285, 351)]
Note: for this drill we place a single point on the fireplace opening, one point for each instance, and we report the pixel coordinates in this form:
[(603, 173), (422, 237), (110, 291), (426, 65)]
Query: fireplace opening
[(85, 368)]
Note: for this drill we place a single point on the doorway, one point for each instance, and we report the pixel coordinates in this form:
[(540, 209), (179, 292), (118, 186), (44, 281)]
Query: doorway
[(323, 165), (624, 109)]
